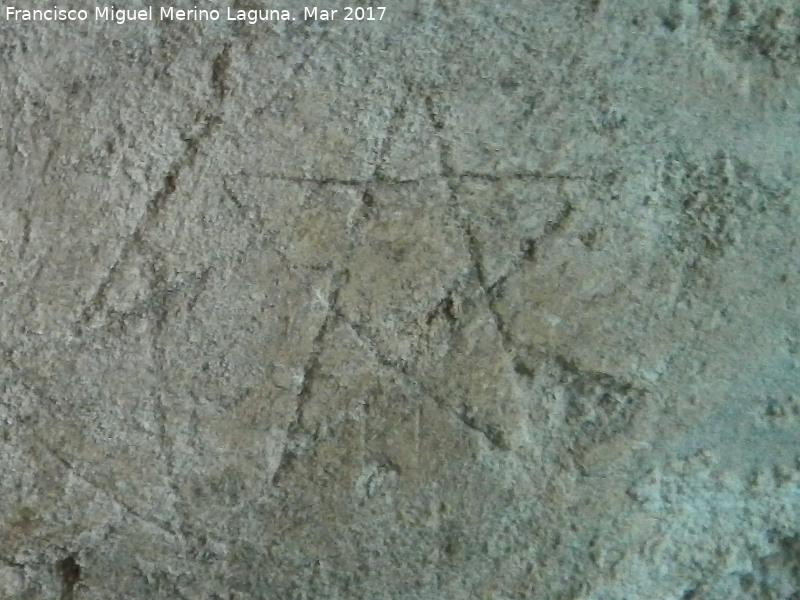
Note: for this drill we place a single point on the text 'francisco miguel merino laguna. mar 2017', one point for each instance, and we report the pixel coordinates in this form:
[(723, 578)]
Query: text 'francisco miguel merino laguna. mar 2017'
[(171, 13)]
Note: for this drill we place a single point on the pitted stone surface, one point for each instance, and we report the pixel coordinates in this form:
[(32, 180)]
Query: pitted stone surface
[(476, 301)]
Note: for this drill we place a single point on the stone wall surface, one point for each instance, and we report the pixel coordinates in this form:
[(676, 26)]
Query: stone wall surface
[(483, 300)]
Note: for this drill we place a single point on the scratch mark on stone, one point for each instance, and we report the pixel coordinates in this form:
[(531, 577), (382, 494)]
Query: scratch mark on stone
[(26, 233), (398, 114), (150, 216), (528, 253), (293, 73), (310, 371), (219, 72), (445, 152), (200, 287), (70, 571), (231, 195), (556, 225), (11, 563), (493, 435), (418, 434), (490, 292), (106, 492), (452, 178), (520, 176), (51, 152)]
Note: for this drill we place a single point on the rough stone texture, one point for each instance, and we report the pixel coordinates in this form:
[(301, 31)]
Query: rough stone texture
[(483, 301)]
